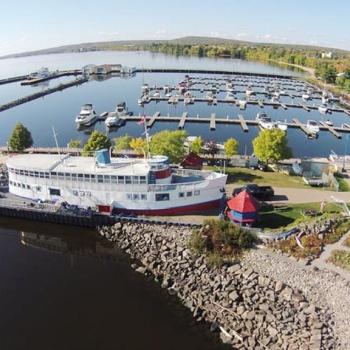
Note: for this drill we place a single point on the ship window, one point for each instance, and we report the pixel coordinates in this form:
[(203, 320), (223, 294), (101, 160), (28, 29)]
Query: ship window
[(128, 179), (120, 179), (55, 192), (129, 196), (28, 187), (197, 192), (87, 177), (136, 196), (31, 173), (53, 173), (80, 176), (114, 179), (99, 178), (25, 172), (135, 180), (41, 175), (162, 197), (23, 186), (21, 172), (143, 196), (189, 194), (107, 178), (60, 176), (67, 175), (142, 179), (92, 178), (36, 173), (74, 177), (46, 175), (181, 194)]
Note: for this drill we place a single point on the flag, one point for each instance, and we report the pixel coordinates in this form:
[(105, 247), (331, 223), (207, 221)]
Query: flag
[(142, 120)]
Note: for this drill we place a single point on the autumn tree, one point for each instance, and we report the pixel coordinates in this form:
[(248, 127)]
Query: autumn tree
[(231, 147)]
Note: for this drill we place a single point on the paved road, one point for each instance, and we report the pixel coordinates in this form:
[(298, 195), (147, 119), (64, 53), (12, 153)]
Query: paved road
[(301, 195)]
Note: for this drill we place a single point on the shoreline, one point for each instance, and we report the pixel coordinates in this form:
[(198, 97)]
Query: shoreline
[(249, 309)]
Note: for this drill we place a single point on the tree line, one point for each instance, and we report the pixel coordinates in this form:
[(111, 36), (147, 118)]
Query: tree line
[(269, 146)]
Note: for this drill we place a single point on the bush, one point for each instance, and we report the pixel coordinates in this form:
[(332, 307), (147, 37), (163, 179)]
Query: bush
[(337, 232), (214, 260), (340, 258), (227, 238), (197, 243)]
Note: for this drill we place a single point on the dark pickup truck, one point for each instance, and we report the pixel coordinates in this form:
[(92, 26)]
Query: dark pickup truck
[(259, 192)]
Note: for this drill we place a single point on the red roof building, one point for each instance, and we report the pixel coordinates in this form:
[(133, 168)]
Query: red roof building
[(192, 161), (243, 208)]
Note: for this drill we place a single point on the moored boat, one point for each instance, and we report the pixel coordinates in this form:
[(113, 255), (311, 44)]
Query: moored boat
[(86, 116)]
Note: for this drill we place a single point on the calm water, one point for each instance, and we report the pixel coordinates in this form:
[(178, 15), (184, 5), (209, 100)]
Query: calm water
[(59, 109), (65, 288)]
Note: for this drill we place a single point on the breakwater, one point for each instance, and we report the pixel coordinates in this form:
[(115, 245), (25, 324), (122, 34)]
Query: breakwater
[(250, 310), (39, 94)]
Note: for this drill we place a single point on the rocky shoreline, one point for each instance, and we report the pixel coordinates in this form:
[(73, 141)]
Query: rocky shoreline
[(250, 309)]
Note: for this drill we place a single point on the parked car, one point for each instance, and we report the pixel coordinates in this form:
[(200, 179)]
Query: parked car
[(258, 192)]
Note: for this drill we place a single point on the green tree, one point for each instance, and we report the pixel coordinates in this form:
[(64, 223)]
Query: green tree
[(196, 145), (74, 143), (139, 145), (122, 143), (271, 146), (231, 147), (96, 141), (169, 143), (20, 138), (326, 72)]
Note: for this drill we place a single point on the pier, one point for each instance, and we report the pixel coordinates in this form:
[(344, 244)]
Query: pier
[(243, 123), (212, 121), (183, 120), (303, 127), (13, 79), (331, 129), (39, 94), (153, 119)]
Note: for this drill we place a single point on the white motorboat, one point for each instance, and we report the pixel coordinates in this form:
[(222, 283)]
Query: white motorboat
[(86, 116), (329, 122), (305, 96), (229, 87), (325, 100), (264, 121), (323, 109), (281, 125), (242, 104), (313, 127), (115, 119), (156, 94), (230, 96), (249, 91), (145, 88)]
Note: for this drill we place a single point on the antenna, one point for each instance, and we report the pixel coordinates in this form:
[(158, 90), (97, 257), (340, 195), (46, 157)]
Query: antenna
[(56, 142)]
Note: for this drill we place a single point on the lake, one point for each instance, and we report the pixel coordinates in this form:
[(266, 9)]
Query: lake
[(58, 110)]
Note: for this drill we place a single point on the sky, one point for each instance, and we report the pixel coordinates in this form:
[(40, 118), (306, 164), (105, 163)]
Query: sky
[(37, 24)]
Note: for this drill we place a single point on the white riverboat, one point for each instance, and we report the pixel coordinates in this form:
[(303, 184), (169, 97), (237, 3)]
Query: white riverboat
[(146, 186)]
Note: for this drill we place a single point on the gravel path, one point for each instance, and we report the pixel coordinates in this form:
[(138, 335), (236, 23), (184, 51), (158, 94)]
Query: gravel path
[(322, 287)]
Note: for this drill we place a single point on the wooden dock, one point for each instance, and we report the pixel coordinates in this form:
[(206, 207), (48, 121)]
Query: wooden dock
[(56, 75), (153, 119), (212, 121), (183, 120), (243, 123), (346, 125), (331, 129), (303, 127), (13, 79), (304, 106), (283, 106)]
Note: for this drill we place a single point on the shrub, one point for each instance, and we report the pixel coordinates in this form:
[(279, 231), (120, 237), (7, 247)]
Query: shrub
[(214, 260), (340, 258), (197, 243), (337, 232)]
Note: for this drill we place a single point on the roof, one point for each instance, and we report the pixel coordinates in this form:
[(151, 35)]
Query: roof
[(244, 202), (192, 160), (71, 164)]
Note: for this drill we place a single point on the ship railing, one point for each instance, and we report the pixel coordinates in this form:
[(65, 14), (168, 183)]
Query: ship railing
[(185, 186), (192, 172), (28, 205)]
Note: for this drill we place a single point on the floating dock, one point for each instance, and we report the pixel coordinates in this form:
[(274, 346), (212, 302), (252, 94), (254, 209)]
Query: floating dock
[(153, 119), (331, 129), (303, 127), (56, 75), (212, 121), (183, 120)]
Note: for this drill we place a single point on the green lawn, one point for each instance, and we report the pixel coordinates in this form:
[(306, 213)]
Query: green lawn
[(242, 176), (291, 215)]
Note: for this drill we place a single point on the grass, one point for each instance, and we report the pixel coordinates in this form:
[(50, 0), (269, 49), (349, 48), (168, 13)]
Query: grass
[(343, 184), (347, 242), (337, 233), (242, 176), (291, 215), (340, 258)]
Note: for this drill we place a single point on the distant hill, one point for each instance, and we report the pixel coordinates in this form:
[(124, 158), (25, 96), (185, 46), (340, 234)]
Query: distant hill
[(138, 44)]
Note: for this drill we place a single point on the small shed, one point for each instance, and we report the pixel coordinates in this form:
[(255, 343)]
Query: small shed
[(243, 209), (192, 161)]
